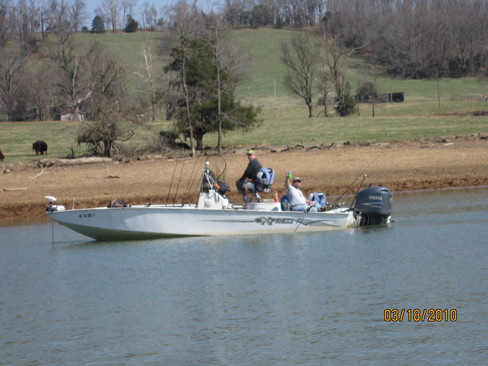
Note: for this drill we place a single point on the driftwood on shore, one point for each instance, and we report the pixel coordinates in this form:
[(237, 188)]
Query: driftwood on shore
[(46, 163), (297, 146), (15, 189)]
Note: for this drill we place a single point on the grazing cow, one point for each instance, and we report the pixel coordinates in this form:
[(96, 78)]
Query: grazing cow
[(40, 147), (2, 157)]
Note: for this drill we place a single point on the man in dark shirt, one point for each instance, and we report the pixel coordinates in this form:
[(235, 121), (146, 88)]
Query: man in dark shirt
[(246, 182)]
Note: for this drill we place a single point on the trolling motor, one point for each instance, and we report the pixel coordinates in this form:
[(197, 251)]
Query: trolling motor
[(53, 206), (373, 205)]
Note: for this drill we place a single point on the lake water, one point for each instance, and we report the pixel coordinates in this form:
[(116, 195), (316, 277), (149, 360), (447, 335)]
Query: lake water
[(304, 299)]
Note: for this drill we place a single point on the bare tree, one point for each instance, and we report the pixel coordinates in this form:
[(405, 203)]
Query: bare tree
[(32, 14), (149, 84), (5, 26), (112, 9), (445, 38), (128, 7), (149, 15), (234, 12), (227, 61), (41, 87), (12, 66), (467, 28), (23, 24), (333, 58), (187, 22), (72, 81), (293, 12), (108, 107), (324, 86), (59, 22), (301, 59), (43, 13), (78, 14)]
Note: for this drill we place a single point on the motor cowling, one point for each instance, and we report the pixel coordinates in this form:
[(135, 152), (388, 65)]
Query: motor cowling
[(373, 204)]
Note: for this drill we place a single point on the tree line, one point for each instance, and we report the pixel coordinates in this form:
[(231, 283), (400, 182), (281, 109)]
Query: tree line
[(410, 38), (316, 63), (417, 38), (25, 18)]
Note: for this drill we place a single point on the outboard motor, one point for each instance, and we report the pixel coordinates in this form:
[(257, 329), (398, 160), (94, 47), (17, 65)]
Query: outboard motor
[(374, 206)]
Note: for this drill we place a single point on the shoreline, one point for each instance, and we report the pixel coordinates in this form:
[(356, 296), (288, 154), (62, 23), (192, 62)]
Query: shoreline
[(434, 164)]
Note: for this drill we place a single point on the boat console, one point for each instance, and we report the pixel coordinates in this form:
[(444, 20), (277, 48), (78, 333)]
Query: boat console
[(213, 199), (263, 206)]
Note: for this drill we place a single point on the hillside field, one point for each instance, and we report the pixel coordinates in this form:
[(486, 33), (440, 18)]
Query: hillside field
[(432, 108)]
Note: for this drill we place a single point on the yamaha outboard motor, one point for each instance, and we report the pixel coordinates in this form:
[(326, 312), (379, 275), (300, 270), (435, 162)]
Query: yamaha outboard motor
[(374, 206)]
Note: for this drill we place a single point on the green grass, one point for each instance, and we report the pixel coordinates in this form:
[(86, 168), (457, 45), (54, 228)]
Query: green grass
[(267, 72), (130, 47), (17, 138), (285, 126), (284, 116), (289, 126)]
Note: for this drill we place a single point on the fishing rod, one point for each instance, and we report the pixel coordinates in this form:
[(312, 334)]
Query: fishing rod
[(362, 174), (171, 183), (357, 191), (222, 174), (194, 175), (349, 187), (178, 185)]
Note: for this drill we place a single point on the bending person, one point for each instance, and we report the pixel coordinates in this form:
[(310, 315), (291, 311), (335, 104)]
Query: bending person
[(246, 182)]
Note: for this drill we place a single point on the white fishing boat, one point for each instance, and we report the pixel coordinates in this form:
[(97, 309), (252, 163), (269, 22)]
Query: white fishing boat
[(214, 214)]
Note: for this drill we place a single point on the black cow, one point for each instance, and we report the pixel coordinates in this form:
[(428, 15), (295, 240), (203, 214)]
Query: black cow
[(40, 147)]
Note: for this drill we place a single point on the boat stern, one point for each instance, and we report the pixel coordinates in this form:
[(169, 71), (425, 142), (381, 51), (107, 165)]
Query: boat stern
[(373, 206)]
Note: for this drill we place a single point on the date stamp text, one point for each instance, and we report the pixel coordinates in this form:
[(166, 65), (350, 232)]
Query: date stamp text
[(420, 315)]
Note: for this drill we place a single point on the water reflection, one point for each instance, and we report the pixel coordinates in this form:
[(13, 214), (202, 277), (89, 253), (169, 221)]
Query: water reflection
[(307, 299)]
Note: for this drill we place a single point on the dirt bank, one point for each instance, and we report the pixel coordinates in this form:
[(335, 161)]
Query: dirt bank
[(425, 164)]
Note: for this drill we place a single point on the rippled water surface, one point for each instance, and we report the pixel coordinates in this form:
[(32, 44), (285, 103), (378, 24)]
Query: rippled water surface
[(304, 299)]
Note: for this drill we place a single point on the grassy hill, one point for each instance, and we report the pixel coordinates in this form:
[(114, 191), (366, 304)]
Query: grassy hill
[(444, 107)]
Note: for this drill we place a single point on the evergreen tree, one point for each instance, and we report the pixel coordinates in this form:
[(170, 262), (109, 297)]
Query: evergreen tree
[(97, 25), (201, 81), (132, 25), (346, 104)]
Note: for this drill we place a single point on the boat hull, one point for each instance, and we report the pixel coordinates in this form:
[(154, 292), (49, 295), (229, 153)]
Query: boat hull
[(141, 222)]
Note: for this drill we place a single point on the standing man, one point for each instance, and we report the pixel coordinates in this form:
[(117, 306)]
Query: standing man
[(246, 182), (298, 201)]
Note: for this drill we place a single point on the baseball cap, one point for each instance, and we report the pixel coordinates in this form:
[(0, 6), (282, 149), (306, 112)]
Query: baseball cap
[(250, 152), (296, 179)]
